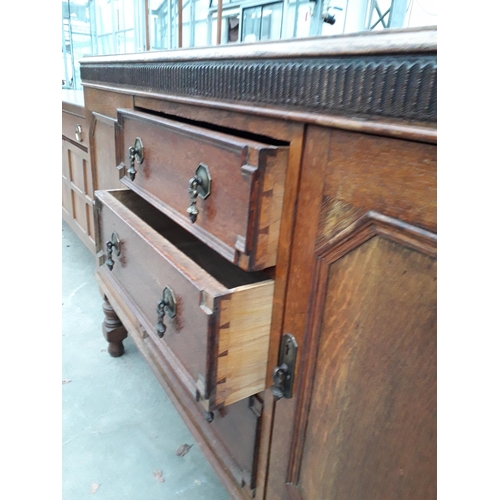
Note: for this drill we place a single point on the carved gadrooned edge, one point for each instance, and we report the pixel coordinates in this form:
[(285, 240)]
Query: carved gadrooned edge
[(389, 86)]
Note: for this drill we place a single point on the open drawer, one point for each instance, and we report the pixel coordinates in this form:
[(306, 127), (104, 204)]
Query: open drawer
[(238, 182), (209, 319)]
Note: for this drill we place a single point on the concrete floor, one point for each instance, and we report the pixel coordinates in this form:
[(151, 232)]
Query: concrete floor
[(120, 430)]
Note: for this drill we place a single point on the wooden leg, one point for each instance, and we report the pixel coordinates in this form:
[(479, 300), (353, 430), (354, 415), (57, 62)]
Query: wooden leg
[(113, 330)]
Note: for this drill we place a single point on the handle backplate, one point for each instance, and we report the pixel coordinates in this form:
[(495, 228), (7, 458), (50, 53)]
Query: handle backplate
[(199, 185)]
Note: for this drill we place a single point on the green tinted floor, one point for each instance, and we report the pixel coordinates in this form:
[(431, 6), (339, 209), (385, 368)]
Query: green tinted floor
[(120, 431)]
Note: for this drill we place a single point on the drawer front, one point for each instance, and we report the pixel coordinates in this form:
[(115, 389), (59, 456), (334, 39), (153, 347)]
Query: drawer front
[(241, 215), (74, 128), (203, 341), (233, 435)]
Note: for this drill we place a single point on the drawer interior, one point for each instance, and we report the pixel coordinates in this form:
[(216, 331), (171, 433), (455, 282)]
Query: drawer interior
[(213, 263), (244, 134)]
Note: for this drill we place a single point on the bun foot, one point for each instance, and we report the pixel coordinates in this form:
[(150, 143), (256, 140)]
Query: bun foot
[(116, 349)]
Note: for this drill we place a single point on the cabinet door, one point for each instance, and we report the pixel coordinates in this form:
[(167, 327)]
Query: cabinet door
[(362, 304), (77, 192)]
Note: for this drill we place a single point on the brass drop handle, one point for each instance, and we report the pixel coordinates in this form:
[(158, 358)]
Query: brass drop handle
[(112, 245), (135, 154), (167, 305), (193, 194), (199, 185)]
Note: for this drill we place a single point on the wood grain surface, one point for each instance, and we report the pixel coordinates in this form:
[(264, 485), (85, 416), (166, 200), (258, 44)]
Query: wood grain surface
[(324, 445), (213, 322), (371, 425), (241, 216)]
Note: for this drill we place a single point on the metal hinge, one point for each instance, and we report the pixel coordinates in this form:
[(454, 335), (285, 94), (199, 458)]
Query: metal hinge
[(284, 374)]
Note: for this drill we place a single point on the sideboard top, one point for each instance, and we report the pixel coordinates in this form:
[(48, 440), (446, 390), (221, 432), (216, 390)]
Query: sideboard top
[(390, 41), (387, 78)]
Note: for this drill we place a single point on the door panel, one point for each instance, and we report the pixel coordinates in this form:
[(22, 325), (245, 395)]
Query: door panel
[(365, 406), (370, 430)]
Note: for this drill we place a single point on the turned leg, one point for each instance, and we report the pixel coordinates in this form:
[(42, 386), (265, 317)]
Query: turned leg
[(113, 330)]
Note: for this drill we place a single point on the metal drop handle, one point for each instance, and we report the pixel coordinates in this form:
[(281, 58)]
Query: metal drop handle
[(160, 326), (135, 154), (199, 185), (167, 305), (112, 245)]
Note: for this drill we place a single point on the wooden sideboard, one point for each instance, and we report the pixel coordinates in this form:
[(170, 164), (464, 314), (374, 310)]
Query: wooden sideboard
[(266, 233), (77, 183)]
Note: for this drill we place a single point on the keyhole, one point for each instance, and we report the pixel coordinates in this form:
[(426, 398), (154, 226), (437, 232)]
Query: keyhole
[(287, 349)]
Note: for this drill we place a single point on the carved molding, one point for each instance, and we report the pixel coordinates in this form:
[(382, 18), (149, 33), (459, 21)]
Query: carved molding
[(395, 86)]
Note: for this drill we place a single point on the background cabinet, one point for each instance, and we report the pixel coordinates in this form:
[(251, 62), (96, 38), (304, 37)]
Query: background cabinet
[(77, 184)]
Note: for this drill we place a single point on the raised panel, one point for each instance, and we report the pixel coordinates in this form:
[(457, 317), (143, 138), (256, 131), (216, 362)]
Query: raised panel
[(65, 160), (77, 173), (369, 424), (90, 220), (238, 428), (80, 211), (66, 201)]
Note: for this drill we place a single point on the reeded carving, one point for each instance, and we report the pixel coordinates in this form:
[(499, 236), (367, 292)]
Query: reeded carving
[(390, 86)]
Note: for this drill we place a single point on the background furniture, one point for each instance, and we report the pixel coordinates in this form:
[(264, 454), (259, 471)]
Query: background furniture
[(77, 184), (293, 322)]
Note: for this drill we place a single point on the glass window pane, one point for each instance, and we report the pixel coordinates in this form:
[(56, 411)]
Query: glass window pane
[(271, 21), (262, 22), (251, 24), (77, 40), (163, 24)]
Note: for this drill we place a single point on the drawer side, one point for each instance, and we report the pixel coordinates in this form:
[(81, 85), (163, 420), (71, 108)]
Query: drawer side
[(244, 328)]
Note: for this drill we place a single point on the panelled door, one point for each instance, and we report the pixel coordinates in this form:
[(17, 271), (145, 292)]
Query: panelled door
[(361, 424)]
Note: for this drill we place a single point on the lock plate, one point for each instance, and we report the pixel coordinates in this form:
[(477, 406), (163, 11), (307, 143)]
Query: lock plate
[(284, 374)]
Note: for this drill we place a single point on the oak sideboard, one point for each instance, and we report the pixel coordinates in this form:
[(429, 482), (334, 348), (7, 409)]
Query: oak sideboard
[(265, 227)]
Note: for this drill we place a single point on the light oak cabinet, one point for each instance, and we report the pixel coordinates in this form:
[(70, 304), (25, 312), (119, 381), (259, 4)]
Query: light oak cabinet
[(293, 321), (77, 184)]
